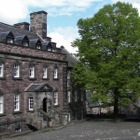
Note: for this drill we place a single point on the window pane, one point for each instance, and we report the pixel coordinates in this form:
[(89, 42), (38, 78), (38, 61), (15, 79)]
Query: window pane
[(69, 96), (45, 72), (31, 103), (1, 104), (38, 46), (26, 44), (32, 72), (16, 102), (55, 73), (68, 75), (16, 70), (10, 40), (1, 70), (55, 98)]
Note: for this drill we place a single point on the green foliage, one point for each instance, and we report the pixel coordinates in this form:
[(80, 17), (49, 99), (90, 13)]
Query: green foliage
[(109, 54)]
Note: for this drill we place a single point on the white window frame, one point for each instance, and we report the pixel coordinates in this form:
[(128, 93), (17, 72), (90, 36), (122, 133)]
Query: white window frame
[(31, 103), (1, 104), (16, 70), (45, 72), (69, 96), (55, 73), (16, 102), (1, 70), (55, 98), (32, 71)]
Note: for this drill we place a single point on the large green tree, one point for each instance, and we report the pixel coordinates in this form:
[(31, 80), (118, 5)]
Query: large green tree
[(109, 55)]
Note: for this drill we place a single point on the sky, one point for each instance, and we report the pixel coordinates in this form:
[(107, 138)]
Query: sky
[(62, 16)]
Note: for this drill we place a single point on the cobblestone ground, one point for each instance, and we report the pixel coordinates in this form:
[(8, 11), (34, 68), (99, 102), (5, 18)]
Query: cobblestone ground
[(90, 130)]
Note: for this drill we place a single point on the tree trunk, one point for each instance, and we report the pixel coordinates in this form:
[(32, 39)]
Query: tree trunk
[(116, 105)]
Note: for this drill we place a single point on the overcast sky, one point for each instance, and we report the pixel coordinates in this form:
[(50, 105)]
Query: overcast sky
[(62, 15)]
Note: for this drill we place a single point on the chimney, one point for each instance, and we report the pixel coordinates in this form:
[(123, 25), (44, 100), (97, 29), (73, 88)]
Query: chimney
[(22, 25), (38, 21)]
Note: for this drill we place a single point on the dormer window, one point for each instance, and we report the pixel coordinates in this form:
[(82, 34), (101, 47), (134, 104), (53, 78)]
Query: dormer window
[(22, 40), (25, 43), (49, 49), (38, 46), (7, 37), (10, 40)]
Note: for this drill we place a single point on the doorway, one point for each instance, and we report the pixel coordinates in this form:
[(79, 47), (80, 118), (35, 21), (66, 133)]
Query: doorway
[(45, 104)]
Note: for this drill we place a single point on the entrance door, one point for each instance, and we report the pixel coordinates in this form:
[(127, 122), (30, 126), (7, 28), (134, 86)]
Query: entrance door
[(45, 104)]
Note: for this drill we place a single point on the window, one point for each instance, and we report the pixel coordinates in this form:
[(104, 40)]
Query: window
[(82, 96), (16, 70), (45, 72), (69, 96), (10, 40), (68, 75), (25, 43), (55, 73), (17, 102), (75, 96), (69, 117), (1, 70), (38, 46), (1, 104), (31, 103), (49, 49), (55, 98), (32, 72)]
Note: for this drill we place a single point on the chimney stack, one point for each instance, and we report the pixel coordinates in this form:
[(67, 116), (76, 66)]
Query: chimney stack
[(38, 23), (22, 25)]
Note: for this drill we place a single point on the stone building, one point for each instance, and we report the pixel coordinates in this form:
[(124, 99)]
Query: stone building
[(36, 90)]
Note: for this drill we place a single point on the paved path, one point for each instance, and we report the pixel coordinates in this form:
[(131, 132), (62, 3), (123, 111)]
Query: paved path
[(90, 130)]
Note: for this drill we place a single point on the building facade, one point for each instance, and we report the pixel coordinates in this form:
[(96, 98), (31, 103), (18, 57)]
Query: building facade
[(36, 90)]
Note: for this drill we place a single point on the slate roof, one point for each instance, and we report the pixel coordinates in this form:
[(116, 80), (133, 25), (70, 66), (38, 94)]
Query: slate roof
[(34, 87), (19, 34), (69, 57), (17, 31)]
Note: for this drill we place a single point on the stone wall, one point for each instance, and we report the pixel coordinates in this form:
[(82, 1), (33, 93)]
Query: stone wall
[(9, 85), (17, 50)]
